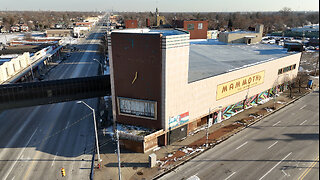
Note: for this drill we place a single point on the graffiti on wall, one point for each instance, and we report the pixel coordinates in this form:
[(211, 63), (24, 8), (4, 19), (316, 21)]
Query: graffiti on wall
[(178, 120), (250, 101), (281, 88), (272, 91), (231, 110), (263, 95)]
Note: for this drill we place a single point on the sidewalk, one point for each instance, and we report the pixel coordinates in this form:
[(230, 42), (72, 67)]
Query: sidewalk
[(134, 166)]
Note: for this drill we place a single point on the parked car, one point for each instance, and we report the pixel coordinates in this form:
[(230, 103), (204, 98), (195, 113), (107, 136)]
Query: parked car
[(41, 77)]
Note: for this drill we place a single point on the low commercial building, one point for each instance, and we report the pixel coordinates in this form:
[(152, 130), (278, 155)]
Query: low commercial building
[(131, 24), (58, 32), (212, 34), (197, 29), (84, 24), (163, 81), (79, 30), (248, 37)]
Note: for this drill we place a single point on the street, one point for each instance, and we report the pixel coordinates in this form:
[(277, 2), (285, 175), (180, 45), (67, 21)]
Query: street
[(284, 145), (36, 142)]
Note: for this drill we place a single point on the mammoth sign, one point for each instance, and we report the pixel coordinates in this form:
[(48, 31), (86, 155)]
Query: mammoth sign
[(238, 85)]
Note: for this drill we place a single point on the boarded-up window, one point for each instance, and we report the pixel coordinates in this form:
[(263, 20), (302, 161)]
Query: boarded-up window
[(137, 107), (190, 26)]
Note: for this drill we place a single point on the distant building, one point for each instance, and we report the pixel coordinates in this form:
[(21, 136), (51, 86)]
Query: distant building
[(148, 24), (79, 30), (113, 18), (58, 32), (293, 46), (212, 34), (3, 29), (197, 29), (308, 28), (86, 24), (15, 28), (131, 24), (247, 37), (160, 20), (24, 28)]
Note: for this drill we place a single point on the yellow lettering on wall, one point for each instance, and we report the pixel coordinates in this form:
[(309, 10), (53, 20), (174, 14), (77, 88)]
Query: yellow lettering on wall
[(238, 85)]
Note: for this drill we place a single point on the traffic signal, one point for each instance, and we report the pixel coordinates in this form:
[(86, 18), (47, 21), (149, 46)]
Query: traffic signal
[(63, 172)]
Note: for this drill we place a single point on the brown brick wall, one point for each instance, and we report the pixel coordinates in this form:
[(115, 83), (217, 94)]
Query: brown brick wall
[(139, 53), (131, 23), (197, 33)]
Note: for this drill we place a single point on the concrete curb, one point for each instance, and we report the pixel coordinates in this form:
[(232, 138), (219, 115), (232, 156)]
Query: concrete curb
[(225, 138)]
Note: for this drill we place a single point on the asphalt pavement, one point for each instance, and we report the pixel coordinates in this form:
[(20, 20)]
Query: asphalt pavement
[(285, 145), (36, 142)]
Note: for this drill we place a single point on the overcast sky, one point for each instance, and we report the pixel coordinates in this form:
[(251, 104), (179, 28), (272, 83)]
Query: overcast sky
[(163, 5)]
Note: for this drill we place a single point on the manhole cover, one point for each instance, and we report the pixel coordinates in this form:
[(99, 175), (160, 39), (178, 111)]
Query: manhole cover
[(140, 173)]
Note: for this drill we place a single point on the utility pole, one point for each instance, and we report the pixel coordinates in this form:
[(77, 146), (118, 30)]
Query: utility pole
[(207, 133), (275, 96), (315, 70)]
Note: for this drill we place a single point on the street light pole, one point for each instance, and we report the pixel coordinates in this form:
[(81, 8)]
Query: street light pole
[(101, 65), (118, 153), (95, 128)]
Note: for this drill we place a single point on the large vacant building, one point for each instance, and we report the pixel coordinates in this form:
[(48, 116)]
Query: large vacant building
[(161, 80)]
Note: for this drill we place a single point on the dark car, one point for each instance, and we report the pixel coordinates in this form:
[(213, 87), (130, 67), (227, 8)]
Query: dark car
[(41, 77)]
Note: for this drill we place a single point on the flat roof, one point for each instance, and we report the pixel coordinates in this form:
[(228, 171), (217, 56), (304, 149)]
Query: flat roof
[(239, 32), (210, 58), (164, 32)]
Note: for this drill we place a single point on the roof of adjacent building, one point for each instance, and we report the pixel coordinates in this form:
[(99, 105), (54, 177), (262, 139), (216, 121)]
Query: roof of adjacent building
[(164, 32), (209, 58), (239, 32)]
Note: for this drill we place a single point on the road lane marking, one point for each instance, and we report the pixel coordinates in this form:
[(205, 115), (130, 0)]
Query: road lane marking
[(194, 177), (20, 154), (275, 166), (230, 176), (303, 106), (285, 174), (36, 155), (273, 144), (21, 128), (54, 159), (303, 122), (309, 169), (276, 123), (242, 145)]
